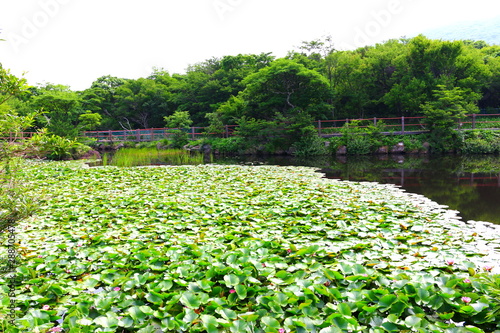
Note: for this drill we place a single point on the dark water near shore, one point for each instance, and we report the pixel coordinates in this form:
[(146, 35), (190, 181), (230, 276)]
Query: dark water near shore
[(470, 185)]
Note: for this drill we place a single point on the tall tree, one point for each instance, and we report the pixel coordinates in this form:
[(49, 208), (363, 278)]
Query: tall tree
[(491, 90), (142, 103), (61, 109), (209, 84), (10, 85), (430, 63), (100, 98), (285, 87)]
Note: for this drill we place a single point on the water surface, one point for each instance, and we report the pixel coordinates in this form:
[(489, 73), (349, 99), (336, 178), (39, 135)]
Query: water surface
[(470, 185)]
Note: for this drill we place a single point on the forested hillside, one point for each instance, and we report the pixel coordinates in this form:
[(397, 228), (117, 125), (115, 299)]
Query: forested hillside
[(395, 78), (485, 30)]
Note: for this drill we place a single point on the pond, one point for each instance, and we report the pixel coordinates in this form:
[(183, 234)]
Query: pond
[(468, 184)]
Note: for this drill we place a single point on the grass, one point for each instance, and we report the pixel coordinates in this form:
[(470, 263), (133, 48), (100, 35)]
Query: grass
[(127, 157)]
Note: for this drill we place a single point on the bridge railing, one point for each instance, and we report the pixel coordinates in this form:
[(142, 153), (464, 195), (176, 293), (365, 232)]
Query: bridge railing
[(394, 125), (397, 125), (19, 136), (407, 125)]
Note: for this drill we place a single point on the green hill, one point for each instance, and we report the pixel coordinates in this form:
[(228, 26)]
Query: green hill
[(487, 30)]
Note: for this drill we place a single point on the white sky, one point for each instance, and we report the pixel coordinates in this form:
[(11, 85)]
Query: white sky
[(73, 42)]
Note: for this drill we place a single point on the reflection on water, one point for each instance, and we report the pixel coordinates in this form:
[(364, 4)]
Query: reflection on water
[(470, 185)]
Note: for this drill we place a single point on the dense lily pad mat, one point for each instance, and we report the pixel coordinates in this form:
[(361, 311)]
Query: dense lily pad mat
[(246, 249)]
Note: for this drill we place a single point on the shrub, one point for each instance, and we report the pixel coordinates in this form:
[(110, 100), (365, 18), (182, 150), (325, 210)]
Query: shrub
[(335, 143), (179, 139), (411, 142), (481, 142), (361, 139), (310, 146), (215, 124), (359, 145), (54, 147), (234, 144), (443, 114)]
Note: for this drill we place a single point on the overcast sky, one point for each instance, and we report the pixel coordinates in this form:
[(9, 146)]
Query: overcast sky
[(73, 42)]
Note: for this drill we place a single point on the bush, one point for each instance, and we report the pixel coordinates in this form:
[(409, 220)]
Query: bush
[(310, 146), (54, 147), (278, 134), (335, 143), (360, 138), (232, 145), (443, 115), (411, 142), (481, 142), (359, 145), (179, 139)]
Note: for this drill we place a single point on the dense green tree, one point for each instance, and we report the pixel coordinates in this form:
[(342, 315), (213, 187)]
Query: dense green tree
[(207, 85), (350, 85), (428, 64), (318, 52), (394, 78), (287, 88), (10, 85), (444, 113), (100, 98), (179, 119), (61, 109), (197, 91), (142, 103), (491, 90)]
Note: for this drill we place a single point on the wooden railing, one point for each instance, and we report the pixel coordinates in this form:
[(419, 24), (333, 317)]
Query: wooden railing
[(153, 134), (12, 137), (407, 125), (325, 128)]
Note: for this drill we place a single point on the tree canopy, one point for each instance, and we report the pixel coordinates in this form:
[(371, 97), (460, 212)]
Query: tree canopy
[(395, 78)]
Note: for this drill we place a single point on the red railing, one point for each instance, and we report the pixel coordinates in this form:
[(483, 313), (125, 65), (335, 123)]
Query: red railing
[(325, 128), (11, 137)]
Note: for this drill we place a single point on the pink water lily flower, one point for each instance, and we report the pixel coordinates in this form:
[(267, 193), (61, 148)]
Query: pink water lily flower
[(488, 268), (232, 291), (281, 330), (56, 329), (46, 307), (116, 288), (466, 281), (466, 299), (450, 262)]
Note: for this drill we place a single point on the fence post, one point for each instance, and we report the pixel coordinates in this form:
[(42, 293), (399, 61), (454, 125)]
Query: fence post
[(110, 138), (227, 131), (473, 121), (138, 135), (152, 135), (192, 132), (403, 124), (374, 121), (319, 127)]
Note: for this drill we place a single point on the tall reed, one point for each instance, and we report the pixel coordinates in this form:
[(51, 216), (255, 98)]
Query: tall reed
[(146, 156)]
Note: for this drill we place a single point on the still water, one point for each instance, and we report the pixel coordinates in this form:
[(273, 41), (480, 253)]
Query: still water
[(470, 185)]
